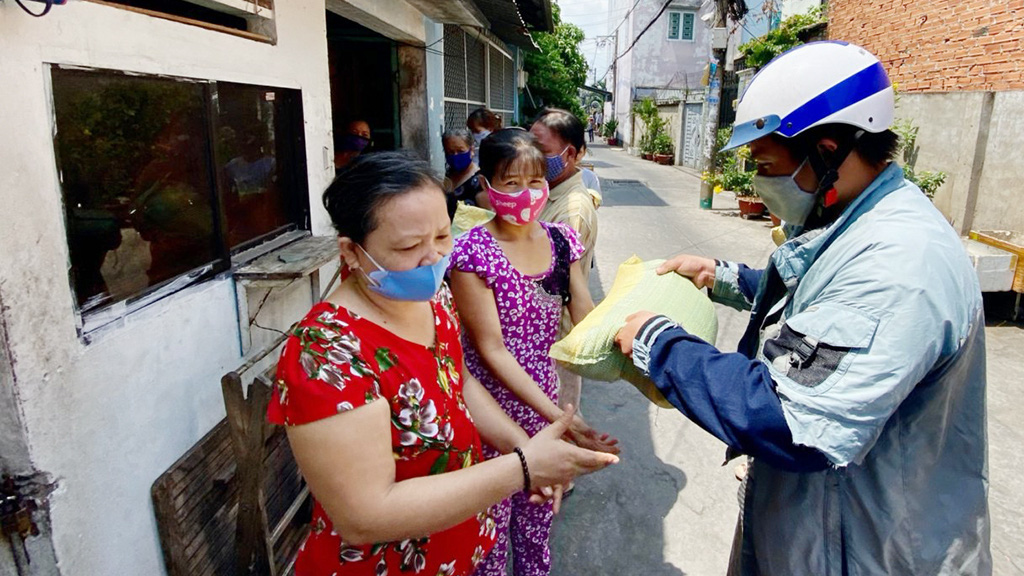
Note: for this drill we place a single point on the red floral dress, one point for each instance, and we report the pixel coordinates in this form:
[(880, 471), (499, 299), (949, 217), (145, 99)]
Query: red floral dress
[(335, 361)]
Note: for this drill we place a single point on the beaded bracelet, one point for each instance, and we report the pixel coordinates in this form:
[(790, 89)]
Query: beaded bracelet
[(526, 469)]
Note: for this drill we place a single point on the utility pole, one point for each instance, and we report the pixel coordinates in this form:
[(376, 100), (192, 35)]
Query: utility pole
[(610, 86), (713, 103)]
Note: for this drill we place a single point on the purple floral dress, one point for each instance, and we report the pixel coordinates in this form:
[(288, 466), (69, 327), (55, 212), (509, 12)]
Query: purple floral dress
[(530, 309)]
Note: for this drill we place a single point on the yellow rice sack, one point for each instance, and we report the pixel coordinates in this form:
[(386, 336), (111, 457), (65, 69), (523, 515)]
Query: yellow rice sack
[(590, 350), (468, 217)]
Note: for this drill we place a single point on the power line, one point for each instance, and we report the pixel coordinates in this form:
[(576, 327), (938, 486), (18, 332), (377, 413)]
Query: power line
[(638, 36)]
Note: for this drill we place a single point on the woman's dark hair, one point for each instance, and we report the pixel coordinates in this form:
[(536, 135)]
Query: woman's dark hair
[(876, 149), (367, 183), (486, 118), (564, 123), (509, 148)]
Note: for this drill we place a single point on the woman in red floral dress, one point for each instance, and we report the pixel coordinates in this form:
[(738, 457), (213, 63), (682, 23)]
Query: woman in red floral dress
[(400, 485)]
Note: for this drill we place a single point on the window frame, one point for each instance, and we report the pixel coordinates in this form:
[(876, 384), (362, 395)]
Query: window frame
[(682, 13), (94, 321), (262, 19)]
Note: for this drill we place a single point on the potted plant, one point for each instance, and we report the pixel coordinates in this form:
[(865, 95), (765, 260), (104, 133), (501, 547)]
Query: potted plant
[(610, 126), (663, 148)]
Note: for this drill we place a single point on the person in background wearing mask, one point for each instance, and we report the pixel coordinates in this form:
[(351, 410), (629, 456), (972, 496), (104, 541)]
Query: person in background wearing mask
[(858, 391), (351, 143), (462, 178), (481, 122), (512, 277), (560, 135)]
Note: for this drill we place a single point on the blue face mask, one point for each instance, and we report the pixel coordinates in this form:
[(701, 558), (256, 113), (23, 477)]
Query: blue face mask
[(460, 161), (418, 284), (555, 165)]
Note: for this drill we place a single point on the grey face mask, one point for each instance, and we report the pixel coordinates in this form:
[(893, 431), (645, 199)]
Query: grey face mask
[(784, 198)]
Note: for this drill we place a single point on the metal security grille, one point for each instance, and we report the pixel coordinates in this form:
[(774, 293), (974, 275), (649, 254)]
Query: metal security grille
[(477, 73), (509, 91), (455, 114), (454, 62)]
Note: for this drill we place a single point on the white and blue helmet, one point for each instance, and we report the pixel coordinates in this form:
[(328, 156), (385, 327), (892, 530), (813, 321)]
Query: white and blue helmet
[(811, 85)]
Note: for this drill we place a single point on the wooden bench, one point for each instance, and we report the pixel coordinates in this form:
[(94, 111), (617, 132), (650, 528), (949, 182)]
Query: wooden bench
[(235, 503)]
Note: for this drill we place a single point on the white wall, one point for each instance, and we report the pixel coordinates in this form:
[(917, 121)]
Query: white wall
[(105, 419), (656, 61), (793, 7)]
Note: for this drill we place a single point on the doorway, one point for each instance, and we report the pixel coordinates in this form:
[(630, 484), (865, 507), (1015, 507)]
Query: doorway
[(364, 81)]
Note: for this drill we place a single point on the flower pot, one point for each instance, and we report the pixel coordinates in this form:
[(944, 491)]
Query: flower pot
[(750, 207), (665, 159), (647, 156), (613, 141)]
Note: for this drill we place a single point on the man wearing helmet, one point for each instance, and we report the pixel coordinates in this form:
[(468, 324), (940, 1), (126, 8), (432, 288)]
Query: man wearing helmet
[(858, 392)]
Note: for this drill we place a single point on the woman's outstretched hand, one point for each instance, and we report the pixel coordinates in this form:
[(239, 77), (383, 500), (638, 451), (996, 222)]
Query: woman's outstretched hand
[(553, 461), (584, 436)]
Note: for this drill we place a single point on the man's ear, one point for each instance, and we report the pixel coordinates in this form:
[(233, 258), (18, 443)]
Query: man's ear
[(349, 253), (827, 148)]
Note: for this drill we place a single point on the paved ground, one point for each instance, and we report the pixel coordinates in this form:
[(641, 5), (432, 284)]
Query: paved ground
[(669, 507)]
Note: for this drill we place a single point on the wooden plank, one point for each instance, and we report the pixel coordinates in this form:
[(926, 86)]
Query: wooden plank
[(172, 541), (289, 514), (294, 260), (251, 542), (236, 408)]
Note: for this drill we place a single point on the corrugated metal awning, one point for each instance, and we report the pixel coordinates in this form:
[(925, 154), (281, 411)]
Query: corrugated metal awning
[(507, 23)]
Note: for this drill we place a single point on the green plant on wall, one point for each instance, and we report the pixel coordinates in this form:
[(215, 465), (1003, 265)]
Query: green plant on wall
[(760, 51), (609, 127), (662, 143), (654, 125), (928, 181), (731, 173)]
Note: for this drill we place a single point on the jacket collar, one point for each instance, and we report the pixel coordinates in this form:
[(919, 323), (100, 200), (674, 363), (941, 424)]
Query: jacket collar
[(793, 258)]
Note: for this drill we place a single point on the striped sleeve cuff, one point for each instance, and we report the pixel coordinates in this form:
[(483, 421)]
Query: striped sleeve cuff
[(646, 338)]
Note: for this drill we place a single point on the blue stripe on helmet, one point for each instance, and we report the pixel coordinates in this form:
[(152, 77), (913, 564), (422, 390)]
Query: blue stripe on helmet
[(854, 89)]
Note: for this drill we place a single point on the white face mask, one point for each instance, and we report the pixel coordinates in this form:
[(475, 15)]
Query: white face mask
[(784, 198), (479, 136)]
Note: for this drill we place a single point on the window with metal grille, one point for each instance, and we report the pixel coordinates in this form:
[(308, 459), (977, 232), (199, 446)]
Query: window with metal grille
[(477, 73), (680, 25)]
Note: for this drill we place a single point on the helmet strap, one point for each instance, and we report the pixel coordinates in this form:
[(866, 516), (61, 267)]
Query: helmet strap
[(827, 171)]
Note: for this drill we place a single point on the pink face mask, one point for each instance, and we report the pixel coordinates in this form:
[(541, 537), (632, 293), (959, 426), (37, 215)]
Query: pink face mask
[(518, 208)]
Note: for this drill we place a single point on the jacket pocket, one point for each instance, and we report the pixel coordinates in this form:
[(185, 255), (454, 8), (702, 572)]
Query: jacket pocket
[(814, 348)]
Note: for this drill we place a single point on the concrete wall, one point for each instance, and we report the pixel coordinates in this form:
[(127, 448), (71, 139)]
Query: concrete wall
[(1000, 204), (938, 46), (975, 143), (106, 418), (435, 94)]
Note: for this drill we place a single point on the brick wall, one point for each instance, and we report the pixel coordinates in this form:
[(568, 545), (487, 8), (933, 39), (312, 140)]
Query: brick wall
[(938, 45)]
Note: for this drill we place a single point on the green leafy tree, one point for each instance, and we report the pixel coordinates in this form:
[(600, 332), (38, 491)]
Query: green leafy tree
[(760, 51), (558, 69)]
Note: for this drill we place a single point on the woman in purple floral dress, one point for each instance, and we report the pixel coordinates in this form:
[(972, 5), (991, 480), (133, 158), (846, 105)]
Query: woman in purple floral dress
[(511, 278)]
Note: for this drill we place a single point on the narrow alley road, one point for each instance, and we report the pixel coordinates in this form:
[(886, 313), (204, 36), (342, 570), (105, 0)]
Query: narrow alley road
[(669, 507)]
